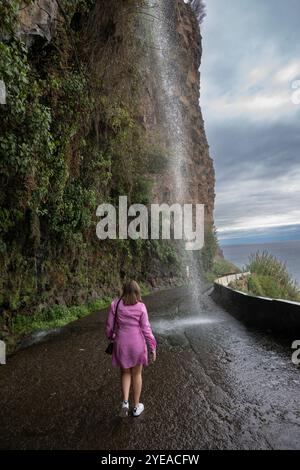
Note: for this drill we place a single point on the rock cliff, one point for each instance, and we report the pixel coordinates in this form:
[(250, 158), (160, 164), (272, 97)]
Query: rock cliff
[(83, 124), (184, 61), (38, 19)]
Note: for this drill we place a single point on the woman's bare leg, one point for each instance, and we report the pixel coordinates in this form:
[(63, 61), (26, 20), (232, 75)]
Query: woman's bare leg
[(125, 381), (137, 383)]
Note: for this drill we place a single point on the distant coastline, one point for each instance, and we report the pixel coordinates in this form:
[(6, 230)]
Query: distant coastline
[(286, 251), (282, 233)]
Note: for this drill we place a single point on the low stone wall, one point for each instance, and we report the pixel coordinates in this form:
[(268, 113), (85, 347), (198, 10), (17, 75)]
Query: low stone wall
[(279, 316), (226, 280)]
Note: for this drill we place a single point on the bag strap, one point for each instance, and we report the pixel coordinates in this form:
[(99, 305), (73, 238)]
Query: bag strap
[(115, 320)]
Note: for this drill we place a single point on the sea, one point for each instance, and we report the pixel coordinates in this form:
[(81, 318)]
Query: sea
[(285, 251)]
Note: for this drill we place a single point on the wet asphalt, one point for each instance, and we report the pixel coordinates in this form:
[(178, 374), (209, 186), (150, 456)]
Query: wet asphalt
[(215, 385)]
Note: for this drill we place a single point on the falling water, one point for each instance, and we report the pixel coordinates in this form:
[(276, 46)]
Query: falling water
[(181, 323), (159, 21), (162, 35)]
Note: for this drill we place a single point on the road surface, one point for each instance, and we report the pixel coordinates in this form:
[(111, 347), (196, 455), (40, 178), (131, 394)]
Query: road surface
[(215, 385)]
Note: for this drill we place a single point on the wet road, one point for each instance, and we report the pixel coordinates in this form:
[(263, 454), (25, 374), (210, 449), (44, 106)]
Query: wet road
[(215, 385)]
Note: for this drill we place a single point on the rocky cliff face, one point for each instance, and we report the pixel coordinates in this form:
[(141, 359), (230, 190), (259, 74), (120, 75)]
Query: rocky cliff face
[(38, 20), (201, 176), (84, 123), (197, 169)]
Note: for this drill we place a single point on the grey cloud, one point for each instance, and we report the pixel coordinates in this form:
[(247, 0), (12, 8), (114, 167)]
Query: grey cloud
[(249, 154)]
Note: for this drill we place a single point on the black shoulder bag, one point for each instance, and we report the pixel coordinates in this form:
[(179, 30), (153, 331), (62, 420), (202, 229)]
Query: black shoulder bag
[(109, 349)]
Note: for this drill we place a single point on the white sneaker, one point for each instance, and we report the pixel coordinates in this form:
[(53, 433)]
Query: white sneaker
[(137, 410), (124, 409)]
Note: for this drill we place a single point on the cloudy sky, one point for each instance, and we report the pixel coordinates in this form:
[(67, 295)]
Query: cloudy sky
[(251, 62)]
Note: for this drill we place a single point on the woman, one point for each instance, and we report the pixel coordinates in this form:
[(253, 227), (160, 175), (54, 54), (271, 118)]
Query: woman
[(129, 328)]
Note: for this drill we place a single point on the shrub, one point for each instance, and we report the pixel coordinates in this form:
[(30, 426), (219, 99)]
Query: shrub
[(269, 278), (210, 249), (268, 268)]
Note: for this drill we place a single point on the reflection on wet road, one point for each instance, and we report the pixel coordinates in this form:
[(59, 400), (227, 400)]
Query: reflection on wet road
[(215, 385)]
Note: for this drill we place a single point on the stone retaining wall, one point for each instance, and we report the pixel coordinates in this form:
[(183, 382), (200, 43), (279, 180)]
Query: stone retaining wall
[(280, 316)]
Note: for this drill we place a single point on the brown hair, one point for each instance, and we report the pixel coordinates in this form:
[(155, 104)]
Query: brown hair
[(131, 293)]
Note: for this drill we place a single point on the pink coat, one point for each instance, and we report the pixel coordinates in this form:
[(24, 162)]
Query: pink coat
[(131, 334)]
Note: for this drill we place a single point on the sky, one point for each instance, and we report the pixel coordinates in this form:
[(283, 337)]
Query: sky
[(250, 99)]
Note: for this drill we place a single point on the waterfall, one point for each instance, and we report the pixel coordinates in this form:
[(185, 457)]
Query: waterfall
[(161, 28), (159, 19)]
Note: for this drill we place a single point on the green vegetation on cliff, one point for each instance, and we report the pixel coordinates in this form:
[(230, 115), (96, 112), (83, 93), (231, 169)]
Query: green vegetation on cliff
[(74, 135), (213, 263), (71, 139)]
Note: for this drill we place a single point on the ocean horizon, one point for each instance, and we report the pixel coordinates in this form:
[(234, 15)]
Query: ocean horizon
[(287, 252)]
